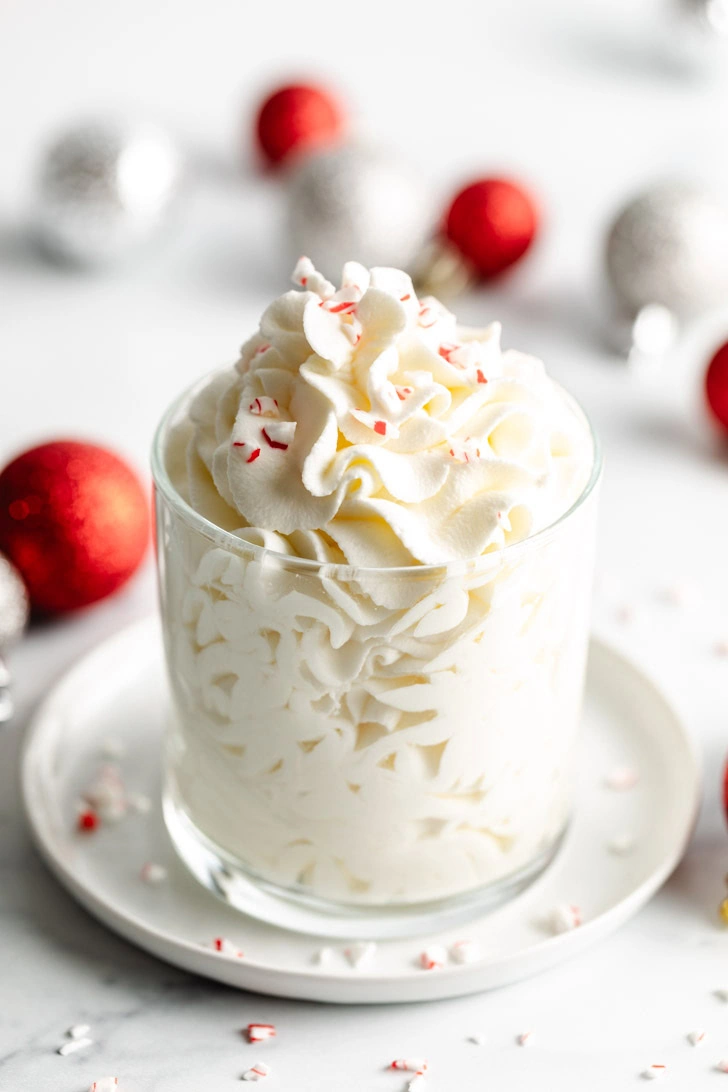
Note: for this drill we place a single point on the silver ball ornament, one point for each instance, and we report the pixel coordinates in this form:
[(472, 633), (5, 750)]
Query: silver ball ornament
[(104, 189), (354, 204), (669, 246), (14, 611)]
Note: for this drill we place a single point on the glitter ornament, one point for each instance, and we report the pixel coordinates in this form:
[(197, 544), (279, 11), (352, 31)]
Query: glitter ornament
[(669, 246), (13, 620), (352, 204), (104, 188), (716, 386), (492, 223), (296, 119), (74, 521)]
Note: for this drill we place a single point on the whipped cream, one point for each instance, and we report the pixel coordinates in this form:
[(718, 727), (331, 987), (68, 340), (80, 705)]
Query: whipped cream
[(366, 735), (362, 425)]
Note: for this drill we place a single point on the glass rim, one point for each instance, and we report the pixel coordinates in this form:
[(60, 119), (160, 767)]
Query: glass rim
[(339, 570)]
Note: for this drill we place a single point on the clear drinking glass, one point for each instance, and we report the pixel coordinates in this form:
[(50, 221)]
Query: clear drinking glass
[(369, 752)]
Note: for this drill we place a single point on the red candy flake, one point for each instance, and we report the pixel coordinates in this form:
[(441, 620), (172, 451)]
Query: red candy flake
[(88, 821), (259, 1033), (403, 392), (274, 443), (410, 1065), (226, 947), (253, 455), (380, 427), (480, 377)]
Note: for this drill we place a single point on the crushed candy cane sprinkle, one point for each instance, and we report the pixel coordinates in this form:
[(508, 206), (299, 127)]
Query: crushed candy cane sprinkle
[(227, 948), (260, 1033), (361, 953), (410, 1065), (105, 1084), (465, 951), (696, 1038), (433, 958), (257, 1072), (722, 1065), (525, 1038), (654, 1072), (565, 917), (72, 1045)]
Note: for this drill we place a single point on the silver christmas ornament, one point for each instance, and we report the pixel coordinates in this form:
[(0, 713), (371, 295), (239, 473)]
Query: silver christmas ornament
[(669, 246), (104, 188), (13, 619), (355, 204)]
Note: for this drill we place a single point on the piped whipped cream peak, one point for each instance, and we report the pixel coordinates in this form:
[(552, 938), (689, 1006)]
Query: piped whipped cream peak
[(362, 425)]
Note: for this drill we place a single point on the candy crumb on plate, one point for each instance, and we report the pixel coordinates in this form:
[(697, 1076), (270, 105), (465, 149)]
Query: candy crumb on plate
[(259, 1033), (153, 873), (410, 1065), (696, 1038), (433, 958), (257, 1072), (72, 1045), (360, 953), (105, 1084), (78, 1031), (565, 917), (525, 1038), (654, 1072), (227, 948), (465, 951)]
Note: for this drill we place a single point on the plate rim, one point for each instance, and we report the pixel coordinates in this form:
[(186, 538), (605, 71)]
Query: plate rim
[(315, 983)]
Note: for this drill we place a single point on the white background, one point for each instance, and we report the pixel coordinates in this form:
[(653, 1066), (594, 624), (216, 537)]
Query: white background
[(584, 102)]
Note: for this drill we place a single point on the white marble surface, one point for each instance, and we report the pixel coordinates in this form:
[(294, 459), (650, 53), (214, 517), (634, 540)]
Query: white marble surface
[(583, 100)]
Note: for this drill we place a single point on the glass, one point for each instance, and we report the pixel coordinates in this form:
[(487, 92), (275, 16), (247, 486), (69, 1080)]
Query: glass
[(371, 752)]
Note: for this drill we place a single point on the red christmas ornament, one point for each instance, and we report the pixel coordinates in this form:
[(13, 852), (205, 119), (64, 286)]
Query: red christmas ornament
[(492, 222), (297, 118), (74, 520), (716, 386)]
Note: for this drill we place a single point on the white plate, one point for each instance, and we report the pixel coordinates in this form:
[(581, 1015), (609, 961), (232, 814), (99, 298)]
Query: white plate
[(119, 692)]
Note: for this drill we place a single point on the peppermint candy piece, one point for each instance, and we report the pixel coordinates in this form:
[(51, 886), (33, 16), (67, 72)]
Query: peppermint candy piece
[(360, 953), (258, 1072), (260, 1033)]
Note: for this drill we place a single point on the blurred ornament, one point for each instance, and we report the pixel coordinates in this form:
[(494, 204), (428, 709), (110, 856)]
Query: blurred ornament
[(104, 189), (716, 387), (646, 338), (492, 223), (354, 204), (669, 246), (298, 118), (74, 521), (707, 19), (13, 620)]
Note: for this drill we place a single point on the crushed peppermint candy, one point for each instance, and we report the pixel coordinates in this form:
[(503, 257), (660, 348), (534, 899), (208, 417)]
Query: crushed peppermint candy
[(465, 951), (433, 958), (376, 424), (264, 406), (565, 917), (306, 276), (464, 451), (227, 948), (722, 1065), (77, 1043), (279, 434), (654, 1072), (260, 1033), (153, 873), (250, 452), (360, 953), (256, 1072), (106, 794), (410, 1065), (105, 1084), (622, 778), (417, 1083), (87, 821), (78, 1031), (525, 1038), (323, 957), (696, 1038)]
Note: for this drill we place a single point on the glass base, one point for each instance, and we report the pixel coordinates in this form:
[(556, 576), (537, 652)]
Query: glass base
[(303, 913)]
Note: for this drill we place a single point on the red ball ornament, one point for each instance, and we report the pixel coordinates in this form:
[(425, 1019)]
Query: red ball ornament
[(492, 222), (74, 520), (716, 386), (297, 118)]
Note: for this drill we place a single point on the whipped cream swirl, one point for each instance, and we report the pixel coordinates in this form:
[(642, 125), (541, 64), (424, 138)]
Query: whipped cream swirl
[(363, 425)]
